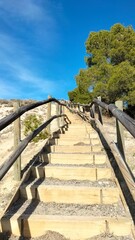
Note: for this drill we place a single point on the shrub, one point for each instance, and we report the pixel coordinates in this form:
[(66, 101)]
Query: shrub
[(32, 122)]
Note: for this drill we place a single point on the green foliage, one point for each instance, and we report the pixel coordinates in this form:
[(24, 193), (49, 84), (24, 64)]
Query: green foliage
[(32, 122), (111, 67), (121, 81), (79, 97), (73, 95)]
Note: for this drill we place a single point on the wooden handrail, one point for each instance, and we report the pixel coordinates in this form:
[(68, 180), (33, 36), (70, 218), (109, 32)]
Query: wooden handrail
[(126, 120), (4, 122), (127, 175), (9, 162)]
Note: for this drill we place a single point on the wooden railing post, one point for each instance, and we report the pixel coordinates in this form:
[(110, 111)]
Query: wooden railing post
[(62, 118), (93, 110), (78, 107), (62, 121), (17, 139), (57, 113), (60, 110), (49, 115), (120, 131), (100, 111)]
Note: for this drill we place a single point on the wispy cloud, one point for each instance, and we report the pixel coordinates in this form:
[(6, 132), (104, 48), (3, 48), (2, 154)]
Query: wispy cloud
[(27, 10), (21, 75), (32, 18), (12, 49), (7, 91), (19, 52), (30, 79)]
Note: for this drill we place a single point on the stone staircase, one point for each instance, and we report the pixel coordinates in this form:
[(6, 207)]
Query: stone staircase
[(75, 193)]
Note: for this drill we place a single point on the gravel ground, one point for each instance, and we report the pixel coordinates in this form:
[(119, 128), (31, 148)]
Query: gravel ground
[(110, 237), (39, 207), (57, 236), (55, 181)]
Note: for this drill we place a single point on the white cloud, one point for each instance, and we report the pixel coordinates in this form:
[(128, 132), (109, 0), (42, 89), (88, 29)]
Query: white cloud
[(11, 49), (35, 21), (28, 77), (27, 9), (16, 62), (32, 14), (7, 91), (23, 83), (30, 29)]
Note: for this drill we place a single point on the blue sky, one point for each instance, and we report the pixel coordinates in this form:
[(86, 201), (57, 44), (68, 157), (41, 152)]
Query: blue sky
[(42, 42)]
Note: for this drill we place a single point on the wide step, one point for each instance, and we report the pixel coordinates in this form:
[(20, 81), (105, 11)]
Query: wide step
[(78, 141), (71, 194), (68, 172), (74, 158), (71, 227), (76, 135), (77, 149), (88, 220)]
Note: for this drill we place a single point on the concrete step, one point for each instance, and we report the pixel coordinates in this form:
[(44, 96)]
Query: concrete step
[(77, 149), (78, 158)]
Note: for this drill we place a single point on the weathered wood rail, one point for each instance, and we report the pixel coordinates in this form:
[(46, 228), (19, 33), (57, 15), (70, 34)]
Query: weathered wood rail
[(76, 155), (23, 144), (120, 116), (116, 148), (4, 122), (126, 120)]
